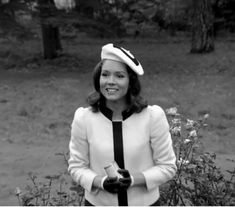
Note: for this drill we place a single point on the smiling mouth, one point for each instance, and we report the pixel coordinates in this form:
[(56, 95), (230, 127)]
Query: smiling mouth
[(111, 90)]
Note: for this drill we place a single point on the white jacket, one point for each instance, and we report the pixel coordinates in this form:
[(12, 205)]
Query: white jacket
[(147, 148)]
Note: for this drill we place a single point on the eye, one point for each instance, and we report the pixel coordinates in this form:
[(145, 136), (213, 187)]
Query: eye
[(104, 74), (120, 75)]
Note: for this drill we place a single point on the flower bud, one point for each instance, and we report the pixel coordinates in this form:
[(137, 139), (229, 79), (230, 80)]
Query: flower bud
[(172, 111), (193, 134), (17, 191)]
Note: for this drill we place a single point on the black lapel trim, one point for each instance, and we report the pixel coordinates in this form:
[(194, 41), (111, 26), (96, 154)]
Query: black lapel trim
[(106, 111), (119, 158), (118, 144), (127, 113), (109, 113)]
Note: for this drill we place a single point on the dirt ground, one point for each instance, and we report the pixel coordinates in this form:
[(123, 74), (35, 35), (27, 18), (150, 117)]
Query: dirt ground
[(37, 106)]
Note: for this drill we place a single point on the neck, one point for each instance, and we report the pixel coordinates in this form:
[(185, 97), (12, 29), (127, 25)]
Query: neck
[(117, 107)]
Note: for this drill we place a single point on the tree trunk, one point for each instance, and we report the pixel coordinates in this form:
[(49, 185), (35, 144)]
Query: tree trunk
[(50, 33), (202, 27), (51, 41)]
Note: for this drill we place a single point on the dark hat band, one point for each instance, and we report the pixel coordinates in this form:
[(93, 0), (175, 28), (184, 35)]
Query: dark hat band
[(134, 60)]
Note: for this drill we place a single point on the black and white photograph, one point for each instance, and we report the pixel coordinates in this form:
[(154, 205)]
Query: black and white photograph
[(117, 103)]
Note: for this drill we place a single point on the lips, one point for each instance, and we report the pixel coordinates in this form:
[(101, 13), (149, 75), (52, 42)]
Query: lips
[(111, 90)]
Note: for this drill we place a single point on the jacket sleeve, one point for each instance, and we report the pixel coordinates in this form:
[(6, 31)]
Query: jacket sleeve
[(79, 164), (163, 153)]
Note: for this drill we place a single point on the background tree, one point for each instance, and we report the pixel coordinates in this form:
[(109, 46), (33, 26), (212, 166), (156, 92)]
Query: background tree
[(120, 18), (202, 27), (50, 32), (8, 22)]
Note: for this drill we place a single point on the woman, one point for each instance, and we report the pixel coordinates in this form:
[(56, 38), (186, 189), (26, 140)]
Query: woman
[(120, 126)]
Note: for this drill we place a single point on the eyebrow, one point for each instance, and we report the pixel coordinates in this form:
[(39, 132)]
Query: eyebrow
[(119, 71)]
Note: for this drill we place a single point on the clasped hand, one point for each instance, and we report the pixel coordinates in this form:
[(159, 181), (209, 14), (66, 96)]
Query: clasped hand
[(113, 185)]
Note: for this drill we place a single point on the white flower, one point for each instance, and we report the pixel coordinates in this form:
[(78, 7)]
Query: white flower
[(176, 121), (189, 124), (183, 162), (193, 134), (17, 191), (176, 131), (172, 111), (187, 141), (206, 116)]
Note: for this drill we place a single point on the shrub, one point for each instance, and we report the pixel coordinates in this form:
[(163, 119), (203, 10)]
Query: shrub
[(198, 182), (57, 190)]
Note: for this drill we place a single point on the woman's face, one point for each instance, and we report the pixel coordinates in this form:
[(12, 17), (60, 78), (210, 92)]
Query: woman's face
[(114, 80)]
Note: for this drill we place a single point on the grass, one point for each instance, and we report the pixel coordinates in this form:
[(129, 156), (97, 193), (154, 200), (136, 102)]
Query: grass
[(39, 97)]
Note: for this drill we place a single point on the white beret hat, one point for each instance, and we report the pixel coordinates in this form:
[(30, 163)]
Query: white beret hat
[(113, 52)]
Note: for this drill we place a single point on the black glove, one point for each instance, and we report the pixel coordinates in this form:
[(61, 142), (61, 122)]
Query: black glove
[(111, 185), (125, 182)]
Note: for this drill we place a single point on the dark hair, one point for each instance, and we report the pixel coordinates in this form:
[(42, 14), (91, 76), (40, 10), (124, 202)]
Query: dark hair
[(135, 101)]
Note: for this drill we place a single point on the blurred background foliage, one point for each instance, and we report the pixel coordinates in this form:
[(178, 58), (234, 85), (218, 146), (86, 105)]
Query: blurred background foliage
[(202, 19)]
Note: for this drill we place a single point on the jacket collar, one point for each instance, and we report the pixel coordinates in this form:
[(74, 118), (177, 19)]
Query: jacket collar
[(107, 112)]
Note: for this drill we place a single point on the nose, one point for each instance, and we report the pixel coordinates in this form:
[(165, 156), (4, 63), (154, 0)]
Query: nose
[(111, 80)]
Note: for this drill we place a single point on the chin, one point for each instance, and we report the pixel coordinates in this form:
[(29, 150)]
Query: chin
[(112, 99)]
